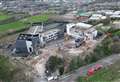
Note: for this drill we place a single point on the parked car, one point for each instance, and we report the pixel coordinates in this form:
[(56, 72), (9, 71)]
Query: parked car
[(92, 70), (52, 78), (98, 66)]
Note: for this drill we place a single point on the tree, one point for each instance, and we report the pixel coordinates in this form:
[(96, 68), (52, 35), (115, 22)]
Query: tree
[(54, 63)]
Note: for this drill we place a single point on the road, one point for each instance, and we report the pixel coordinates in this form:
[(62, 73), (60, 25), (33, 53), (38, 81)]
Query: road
[(82, 71)]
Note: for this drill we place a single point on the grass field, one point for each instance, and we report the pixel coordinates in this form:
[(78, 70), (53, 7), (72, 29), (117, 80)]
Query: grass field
[(3, 16), (18, 25), (37, 18), (111, 74), (12, 26)]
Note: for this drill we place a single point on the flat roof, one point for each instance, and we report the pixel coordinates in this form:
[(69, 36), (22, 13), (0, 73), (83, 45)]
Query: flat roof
[(50, 31), (26, 36), (83, 25)]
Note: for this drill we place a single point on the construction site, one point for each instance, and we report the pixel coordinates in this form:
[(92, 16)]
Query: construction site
[(73, 33), (38, 44)]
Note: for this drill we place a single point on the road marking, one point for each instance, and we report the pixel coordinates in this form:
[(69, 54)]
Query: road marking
[(35, 30)]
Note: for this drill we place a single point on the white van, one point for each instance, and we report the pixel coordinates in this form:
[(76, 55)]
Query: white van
[(50, 78)]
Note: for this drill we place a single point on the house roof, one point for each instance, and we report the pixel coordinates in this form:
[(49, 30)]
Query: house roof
[(84, 14), (115, 16), (108, 12), (117, 12), (97, 17), (83, 25)]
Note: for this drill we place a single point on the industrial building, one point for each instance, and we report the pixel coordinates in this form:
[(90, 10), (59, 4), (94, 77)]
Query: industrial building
[(36, 38), (27, 43), (53, 34), (81, 32)]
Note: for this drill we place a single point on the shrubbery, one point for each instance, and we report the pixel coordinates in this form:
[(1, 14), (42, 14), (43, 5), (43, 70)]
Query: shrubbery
[(55, 63), (116, 47), (76, 63), (101, 51), (6, 69)]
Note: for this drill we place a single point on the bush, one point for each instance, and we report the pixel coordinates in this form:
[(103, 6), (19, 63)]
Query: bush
[(102, 50), (6, 69), (106, 21), (92, 57), (76, 63), (116, 48)]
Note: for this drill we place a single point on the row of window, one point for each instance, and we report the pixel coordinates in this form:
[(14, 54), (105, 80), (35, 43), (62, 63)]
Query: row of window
[(52, 36)]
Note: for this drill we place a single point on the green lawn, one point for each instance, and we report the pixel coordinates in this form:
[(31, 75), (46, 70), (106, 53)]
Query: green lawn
[(17, 25), (37, 18), (12, 26), (3, 16), (111, 74), (116, 33)]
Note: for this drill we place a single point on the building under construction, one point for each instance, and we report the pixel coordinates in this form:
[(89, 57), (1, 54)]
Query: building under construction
[(37, 37)]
